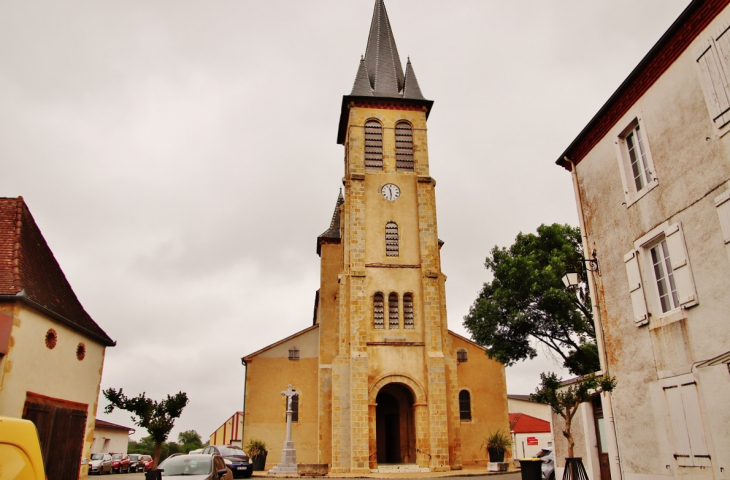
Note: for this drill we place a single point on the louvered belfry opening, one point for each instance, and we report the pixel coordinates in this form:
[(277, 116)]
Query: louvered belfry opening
[(393, 321), (391, 239), (403, 147), (378, 311), (373, 144), (408, 311)]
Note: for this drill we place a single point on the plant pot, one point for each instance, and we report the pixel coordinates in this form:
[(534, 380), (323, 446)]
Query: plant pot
[(259, 462), (496, 454)]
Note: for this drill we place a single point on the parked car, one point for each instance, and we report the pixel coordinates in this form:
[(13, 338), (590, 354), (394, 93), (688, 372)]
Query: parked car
[(147, 462), (196, 451), (21, 449), (135, 462), (120, 463), (548, 463), (234, 457), (196, 467), (100, 463)]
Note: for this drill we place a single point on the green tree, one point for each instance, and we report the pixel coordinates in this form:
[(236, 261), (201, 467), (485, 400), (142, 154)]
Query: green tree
[(157, 417), (189, 440), (565, 399), (527, 301)]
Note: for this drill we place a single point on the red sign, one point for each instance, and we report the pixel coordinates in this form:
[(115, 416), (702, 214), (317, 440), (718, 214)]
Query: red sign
[(532, 440)]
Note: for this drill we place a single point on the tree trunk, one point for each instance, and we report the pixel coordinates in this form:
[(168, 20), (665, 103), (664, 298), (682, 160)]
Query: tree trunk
[(156, 455), (569, 436)]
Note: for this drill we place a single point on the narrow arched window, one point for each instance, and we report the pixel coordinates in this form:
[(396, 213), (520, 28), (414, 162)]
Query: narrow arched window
[(464, 405), (373, 144), (293, 353), (391, 239), (294, 409), (404, 147), (378, 311), (461, 355), (408, 310), (393, 321)]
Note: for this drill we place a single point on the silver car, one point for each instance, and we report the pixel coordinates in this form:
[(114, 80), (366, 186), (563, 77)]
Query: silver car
[(548, 463), (196, 467), (100, 463)]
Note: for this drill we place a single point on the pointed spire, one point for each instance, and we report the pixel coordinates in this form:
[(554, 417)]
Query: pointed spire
[(362, 87), (381, 56), (411, 88)]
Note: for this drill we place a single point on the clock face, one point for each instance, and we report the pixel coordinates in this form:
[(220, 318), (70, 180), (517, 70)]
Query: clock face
[(390, 191)]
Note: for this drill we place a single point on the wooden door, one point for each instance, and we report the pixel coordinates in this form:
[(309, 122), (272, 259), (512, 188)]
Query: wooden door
[(605, 466)]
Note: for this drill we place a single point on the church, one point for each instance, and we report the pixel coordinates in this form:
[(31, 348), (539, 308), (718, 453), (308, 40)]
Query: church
[(380, 378)]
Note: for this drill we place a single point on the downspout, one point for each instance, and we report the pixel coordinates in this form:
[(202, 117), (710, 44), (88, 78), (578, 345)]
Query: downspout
[(616, 467), (245, 383)]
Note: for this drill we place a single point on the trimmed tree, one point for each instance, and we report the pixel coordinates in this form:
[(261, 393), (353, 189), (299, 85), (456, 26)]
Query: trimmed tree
[(564, 400), (157, 418)]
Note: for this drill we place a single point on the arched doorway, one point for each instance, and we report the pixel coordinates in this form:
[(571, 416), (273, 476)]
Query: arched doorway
[(394, 425)]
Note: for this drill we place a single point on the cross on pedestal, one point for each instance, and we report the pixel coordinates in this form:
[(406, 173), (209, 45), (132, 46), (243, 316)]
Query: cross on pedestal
[(288, 453)]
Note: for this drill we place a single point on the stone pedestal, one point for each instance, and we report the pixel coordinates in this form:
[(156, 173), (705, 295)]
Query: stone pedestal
[(497, 466)]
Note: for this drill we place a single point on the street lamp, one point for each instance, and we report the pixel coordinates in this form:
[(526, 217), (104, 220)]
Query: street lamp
[(572, 278)]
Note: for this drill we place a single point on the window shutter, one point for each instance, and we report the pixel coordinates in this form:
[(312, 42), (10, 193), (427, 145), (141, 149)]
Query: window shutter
[(682, 451), (636, 289), (403, 146), (680, 266), (373, 144), (715, 82), (723, 212), (693, 417), (393, 318), (378, 311), (408, 311)]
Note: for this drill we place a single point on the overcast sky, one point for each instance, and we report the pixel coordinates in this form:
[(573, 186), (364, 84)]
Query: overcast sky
[(180, 156)]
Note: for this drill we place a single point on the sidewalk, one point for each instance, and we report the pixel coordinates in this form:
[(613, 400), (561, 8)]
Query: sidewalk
[(467, 471)]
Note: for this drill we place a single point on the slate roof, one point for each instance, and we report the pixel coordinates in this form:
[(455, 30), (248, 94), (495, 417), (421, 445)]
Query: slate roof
[(333, 232), (380, 73), (30, 273), (523, 423)]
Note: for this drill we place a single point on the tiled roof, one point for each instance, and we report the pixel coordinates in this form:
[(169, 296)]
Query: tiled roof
[(523, 423), (333, 232), (114, 426), (30, 272)]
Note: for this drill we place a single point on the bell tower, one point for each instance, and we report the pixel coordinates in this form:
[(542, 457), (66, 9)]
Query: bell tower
[(392, 382)]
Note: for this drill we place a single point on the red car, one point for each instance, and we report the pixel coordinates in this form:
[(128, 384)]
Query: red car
[(120, 463), (147, 461)]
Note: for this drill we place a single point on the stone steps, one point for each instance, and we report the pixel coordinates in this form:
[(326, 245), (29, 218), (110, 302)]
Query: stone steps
[(399, 468)]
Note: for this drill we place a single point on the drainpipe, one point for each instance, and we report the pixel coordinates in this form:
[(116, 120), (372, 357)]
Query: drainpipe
[(245, 383), (616, 467)]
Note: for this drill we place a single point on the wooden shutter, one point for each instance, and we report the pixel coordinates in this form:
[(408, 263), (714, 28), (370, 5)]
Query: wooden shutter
[(403, 146), (42, 416), (373, 144), (682, 451), (680, 266), (391, 239), (378, 311), (636, 289), (714, 80), (723, 212), (693, 417), (393, 320), (408, 311)]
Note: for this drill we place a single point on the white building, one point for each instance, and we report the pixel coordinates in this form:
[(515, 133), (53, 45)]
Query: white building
[(110, 437), (651, 173)]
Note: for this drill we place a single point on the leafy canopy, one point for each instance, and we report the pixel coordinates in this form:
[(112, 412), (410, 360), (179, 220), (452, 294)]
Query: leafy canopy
[(527, 301), (157, 418)]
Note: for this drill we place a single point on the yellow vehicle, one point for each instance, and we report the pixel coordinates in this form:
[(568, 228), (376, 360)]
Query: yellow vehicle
[(20, 451)]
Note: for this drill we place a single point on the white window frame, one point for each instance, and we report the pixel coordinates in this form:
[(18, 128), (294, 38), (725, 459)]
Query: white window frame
[(643, 288), (684, 421), (712, 58), (631, 192)]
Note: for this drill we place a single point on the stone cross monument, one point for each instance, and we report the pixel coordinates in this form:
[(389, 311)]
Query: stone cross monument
[(288, 453)]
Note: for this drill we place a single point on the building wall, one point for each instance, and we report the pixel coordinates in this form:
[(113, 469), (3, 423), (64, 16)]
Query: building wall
[(108, 440), (521, 448), (485, 380), (230, 432), (30, 366), (267, 375), (534, 409), (692, 166)]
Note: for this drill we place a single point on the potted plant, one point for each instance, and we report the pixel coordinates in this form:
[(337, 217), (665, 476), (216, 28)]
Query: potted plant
[(257, 451), (497, 445)]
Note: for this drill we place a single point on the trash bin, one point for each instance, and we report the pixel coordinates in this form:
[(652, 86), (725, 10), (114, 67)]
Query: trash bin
[(153, 475), (531, 468)]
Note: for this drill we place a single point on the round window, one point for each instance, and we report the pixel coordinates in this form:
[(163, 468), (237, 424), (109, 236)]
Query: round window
[(51, 338), (81, 351)]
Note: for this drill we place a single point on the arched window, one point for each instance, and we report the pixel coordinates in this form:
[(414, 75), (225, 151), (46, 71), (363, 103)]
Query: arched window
[(408, 310), (293, 353), (403, 147), (391, 239), (393, 321), (373, 144), (378, 311), (461, 355), (464, 405), (294, 409)]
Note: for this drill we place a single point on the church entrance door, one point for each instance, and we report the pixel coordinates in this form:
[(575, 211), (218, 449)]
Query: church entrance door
[(394, 425)]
